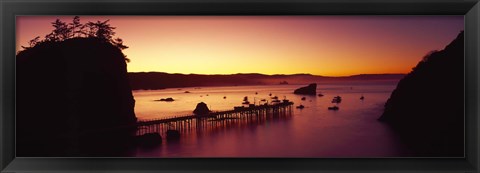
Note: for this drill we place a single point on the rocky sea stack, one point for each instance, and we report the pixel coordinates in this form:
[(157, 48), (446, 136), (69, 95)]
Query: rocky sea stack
[(201, 109), (72, 96), (427, 107), (308, 90)]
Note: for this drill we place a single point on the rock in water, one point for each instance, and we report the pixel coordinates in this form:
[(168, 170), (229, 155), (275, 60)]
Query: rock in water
[(427, 107), (201, 109), (308, 90), (166, 99), (149, 140), (68, 93)]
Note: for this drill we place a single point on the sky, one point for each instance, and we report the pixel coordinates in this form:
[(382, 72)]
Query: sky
[(319, 45)]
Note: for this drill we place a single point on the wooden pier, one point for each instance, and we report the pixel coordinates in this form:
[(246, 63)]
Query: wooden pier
[(252, 113)]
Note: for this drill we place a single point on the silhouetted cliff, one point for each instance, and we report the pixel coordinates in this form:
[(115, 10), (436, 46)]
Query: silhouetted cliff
[(71, 96), (426, 108)]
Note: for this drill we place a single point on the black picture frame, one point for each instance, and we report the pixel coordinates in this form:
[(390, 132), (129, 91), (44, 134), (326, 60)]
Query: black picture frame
[(9, 9)]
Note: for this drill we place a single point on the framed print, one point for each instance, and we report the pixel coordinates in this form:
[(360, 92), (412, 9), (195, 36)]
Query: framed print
[(239, 86)]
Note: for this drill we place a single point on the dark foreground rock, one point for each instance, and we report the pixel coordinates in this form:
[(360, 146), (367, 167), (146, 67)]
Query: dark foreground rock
[(426, 108), (71, 98), (308, 90), (149, 140)]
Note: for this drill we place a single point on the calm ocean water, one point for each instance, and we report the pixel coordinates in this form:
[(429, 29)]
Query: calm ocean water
[(352, 131)]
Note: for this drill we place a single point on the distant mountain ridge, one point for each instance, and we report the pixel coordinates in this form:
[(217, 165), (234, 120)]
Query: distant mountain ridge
[(162, 80)]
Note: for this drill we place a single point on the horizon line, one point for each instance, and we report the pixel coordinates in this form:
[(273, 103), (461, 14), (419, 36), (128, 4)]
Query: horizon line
[(272, 74)]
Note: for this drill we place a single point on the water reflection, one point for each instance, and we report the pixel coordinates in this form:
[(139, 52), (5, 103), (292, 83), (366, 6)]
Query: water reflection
[(315, 131)]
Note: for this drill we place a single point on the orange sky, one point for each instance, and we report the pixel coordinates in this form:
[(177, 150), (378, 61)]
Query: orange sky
[(321, 45)]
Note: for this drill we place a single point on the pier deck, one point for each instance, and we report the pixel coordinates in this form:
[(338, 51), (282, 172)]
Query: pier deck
[(216, 118)]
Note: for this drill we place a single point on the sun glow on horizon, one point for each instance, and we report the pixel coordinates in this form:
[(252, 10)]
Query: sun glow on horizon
[(318, 45)]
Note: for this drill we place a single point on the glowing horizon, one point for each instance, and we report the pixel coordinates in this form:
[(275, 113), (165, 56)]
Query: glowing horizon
[(317, 45)]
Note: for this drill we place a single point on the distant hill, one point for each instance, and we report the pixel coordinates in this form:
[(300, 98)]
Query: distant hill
[(160, 80), (427, 107)]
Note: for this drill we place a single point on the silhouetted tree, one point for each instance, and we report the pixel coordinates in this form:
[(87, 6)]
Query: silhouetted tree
[(32, 42), (76, 26), (63, 31), (101, 30), (60, 33), (51, 37), (91, 30), (118, 42), (126, 59)]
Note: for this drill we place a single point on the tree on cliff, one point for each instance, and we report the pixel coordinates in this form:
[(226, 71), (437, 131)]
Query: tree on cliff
[(101, 30), (77, 27), (63, 31), (32, 42), (60, 33), (118, 42)]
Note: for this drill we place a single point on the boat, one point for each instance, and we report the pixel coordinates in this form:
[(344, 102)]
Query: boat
[(362, 98), (274, 97), (300, 107), (333, 108), (320, 95), (337, 99), (187, 91), (270, 94), (303, 98), (224, 97)]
